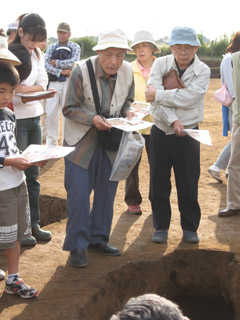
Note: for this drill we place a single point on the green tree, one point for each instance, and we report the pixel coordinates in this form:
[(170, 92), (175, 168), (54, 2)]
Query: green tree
[(219, 47), (86, 44)]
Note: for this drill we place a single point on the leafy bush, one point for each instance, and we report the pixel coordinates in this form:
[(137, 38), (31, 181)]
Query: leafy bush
[(213, 48), (219, 48), (86, 44), (207, 48)]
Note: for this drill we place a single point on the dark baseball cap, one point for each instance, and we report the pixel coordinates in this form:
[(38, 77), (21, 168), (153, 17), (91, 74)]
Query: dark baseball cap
[(64, 27)]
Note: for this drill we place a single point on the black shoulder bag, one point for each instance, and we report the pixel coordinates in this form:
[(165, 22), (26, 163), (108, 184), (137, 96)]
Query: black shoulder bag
[(109, 139)]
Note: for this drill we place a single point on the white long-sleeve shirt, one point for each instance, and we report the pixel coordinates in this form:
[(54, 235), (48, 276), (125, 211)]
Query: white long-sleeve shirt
[(226, 73), (38, 76)]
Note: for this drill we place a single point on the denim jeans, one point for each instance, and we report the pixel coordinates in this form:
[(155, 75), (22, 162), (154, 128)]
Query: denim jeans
[(87, 225), (29, 132)]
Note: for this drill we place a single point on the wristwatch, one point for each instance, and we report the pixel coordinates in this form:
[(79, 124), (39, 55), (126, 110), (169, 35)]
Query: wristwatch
[(1, 162)]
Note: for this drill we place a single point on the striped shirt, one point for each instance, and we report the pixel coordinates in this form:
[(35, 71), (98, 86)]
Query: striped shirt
[(61, 64)]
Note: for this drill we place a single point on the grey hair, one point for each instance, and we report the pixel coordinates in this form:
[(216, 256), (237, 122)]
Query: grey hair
[(152, 46), (149, 307)]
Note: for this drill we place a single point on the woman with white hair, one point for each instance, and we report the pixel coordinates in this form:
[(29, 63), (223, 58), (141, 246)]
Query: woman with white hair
[(149, 307)]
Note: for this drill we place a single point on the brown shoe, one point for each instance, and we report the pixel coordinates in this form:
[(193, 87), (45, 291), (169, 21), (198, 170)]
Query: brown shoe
[(228, 212), (215, 175)]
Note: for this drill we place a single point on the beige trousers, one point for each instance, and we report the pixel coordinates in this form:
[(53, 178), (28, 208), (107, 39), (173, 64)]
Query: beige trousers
[(233, 187)]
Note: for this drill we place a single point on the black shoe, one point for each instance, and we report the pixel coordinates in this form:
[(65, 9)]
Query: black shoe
[(28, 242), (78, 258), (41, 235), (106, 248), (190, 236)]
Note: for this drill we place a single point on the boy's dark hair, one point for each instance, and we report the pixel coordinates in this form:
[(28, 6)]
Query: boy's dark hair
[(24, 69), (8, 74)]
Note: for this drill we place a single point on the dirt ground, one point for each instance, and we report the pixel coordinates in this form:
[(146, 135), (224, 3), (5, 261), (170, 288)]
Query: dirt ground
[(71, 293)]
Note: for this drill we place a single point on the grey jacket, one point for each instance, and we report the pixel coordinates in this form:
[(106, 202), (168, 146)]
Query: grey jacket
[(185, 104)]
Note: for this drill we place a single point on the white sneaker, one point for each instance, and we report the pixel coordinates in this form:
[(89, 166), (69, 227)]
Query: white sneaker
[(215, 174), (214, 168), (2, 274)]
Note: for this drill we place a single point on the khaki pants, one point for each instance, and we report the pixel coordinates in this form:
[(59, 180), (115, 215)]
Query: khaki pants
[(53, 111), (14, 216), (233, 187)]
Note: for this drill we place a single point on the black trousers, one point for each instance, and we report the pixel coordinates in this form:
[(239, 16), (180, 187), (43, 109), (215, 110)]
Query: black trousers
[(132, 193), (183, 155)]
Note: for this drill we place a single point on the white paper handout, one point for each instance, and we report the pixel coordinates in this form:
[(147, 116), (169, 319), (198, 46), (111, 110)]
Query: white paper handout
[(141, 109), (129, 125), (199, 135), (36, 152), (39, 94)]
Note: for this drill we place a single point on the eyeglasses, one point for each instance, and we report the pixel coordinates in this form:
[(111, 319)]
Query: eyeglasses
[(186, 48)]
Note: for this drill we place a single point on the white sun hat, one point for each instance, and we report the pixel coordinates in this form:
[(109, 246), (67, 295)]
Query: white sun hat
[(144, 36), (7, 55), (112, 39)]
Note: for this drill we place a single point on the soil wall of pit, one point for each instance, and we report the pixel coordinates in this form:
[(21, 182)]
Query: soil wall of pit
[(204, 283)]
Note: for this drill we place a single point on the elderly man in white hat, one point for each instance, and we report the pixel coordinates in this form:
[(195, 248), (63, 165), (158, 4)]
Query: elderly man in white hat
[(5, 54), (89, 166), (173, 110)]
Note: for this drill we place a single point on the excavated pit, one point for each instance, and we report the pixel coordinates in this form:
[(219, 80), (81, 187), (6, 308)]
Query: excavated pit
[(205, 283)]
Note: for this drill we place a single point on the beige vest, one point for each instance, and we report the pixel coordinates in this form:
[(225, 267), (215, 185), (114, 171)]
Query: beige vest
[(74, 131), (236, 84)]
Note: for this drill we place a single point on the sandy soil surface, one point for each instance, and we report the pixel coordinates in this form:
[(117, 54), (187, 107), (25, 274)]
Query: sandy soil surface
[(64, 291)]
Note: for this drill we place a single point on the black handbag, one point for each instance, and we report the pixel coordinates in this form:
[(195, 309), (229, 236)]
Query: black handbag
[(109, 139)]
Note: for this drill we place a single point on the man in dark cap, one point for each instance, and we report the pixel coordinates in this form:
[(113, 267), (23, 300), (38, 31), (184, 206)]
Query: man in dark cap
[(59, 60)]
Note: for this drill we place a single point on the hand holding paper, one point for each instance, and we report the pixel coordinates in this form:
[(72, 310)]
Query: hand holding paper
[(36, 153), (199, 135)]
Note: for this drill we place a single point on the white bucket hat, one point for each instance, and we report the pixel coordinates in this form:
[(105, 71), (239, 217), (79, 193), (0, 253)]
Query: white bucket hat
[(144, 36), (7, 55), (112, 39)]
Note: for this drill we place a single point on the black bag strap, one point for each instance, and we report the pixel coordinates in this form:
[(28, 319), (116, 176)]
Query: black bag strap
[(93, 86)]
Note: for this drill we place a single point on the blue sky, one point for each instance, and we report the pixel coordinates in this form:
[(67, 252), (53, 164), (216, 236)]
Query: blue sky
[(89, 18)]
